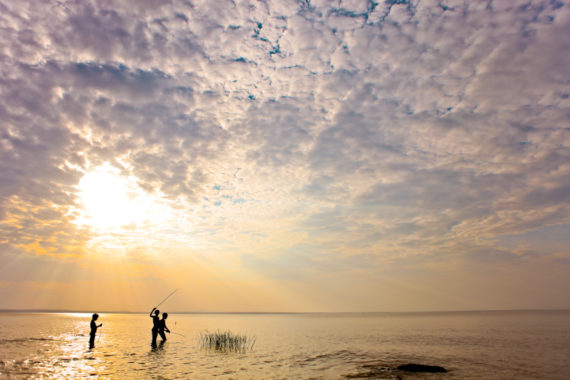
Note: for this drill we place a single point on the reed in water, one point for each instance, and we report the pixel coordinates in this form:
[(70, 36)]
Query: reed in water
[(226, 341)]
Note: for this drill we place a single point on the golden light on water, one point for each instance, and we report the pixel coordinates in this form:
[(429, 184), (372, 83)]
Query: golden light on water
[(77, 315)]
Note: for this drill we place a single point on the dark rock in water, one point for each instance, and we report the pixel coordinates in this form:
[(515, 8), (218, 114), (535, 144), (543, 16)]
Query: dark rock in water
[(380, 371), (421, 368)]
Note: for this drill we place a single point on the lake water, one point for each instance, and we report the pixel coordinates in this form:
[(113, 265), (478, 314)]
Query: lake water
[(471, 345)]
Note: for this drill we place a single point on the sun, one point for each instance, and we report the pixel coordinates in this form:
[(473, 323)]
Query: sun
[(121, 216), (110, 200)]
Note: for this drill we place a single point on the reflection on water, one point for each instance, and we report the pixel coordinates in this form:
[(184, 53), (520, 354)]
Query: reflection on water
[(471, 345)]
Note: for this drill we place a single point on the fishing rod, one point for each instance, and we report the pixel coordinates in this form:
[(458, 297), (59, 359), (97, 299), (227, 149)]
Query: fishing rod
[(184, 336), (167, 297)]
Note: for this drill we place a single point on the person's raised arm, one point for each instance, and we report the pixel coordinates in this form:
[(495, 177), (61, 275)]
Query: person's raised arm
[(152, 311)]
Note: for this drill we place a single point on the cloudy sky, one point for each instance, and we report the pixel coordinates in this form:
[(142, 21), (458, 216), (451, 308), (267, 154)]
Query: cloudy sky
[(309, 155)]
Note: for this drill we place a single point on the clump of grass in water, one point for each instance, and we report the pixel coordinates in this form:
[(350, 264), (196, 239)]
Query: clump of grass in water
[(226, 341)]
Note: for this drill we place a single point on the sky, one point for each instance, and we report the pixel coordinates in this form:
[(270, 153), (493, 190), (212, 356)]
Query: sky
[(284, 156)]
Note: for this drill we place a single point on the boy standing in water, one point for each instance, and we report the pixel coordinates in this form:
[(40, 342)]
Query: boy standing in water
[(155, 325), (162, 326), (93, 332)]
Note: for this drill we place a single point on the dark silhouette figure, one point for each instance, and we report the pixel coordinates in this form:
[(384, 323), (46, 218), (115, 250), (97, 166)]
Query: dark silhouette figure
[(162, 326), (155, 324), (158, 348), (93, 332), (421, 368)]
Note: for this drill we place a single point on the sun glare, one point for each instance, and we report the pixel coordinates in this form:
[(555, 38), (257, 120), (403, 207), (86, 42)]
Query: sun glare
[(110, 200)]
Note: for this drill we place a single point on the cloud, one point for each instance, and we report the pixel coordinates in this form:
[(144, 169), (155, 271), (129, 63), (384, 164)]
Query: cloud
[(321, 134)]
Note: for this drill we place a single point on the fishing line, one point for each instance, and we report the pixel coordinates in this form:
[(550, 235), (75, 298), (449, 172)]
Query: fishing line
[(167, 297)]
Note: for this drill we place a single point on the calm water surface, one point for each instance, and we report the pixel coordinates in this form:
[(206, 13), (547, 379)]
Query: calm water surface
[(471, 345)]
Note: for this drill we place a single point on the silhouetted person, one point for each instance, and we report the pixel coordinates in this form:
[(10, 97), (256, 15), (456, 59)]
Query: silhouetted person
[(93, 332), (155, 324), (162, 327)]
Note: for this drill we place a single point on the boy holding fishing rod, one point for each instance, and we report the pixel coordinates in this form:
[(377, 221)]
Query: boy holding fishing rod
[(155, 324), (159, 325)]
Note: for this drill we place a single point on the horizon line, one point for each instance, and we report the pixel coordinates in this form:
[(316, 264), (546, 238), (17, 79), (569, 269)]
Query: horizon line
[(63, 311)]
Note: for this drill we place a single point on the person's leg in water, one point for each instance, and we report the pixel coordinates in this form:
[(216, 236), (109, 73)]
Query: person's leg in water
[(162, 335), (154, 336)]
